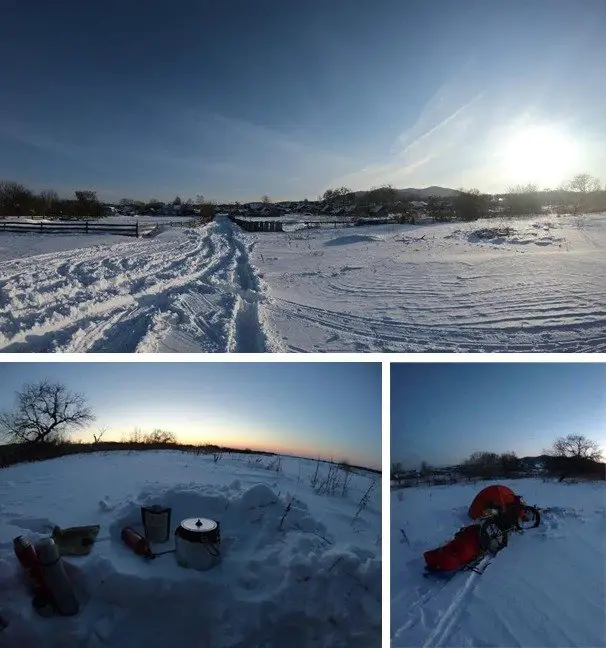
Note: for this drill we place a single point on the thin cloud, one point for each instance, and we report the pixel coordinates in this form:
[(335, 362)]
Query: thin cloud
[(424, 142)]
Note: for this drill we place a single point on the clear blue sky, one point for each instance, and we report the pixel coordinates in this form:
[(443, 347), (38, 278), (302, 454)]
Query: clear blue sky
[(331, 409), (238, 99), (441, 413)]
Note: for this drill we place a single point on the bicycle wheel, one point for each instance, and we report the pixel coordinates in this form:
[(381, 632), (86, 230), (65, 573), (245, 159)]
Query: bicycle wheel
[(493, 537)]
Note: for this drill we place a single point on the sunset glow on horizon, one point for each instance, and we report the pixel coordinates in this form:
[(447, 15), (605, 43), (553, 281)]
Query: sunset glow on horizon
[(331, 411)]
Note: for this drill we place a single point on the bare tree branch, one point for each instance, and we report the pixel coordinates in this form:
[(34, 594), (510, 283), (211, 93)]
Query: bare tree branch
[(576, 445), (45, 412)]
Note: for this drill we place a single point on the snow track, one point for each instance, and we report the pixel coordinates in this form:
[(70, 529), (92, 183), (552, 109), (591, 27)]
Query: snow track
[(181, 291)]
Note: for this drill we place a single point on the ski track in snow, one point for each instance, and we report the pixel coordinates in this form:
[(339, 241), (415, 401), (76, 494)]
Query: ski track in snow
[(192, 292), (442, 630)]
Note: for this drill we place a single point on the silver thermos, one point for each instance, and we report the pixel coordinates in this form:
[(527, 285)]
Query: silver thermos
[(55, 578)]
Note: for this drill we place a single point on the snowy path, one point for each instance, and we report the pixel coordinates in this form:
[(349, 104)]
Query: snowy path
[(182, 291), (547, 588)]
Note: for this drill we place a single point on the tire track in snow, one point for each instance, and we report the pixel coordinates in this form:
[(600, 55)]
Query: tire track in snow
[(195, 291)]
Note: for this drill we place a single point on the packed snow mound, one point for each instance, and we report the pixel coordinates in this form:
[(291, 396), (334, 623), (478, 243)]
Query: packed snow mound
[(286, 576), (546, 589)]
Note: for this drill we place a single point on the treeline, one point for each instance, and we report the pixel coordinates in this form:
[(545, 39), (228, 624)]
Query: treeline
[(18, 200), (574, 455), (16, 453), (583, 193)]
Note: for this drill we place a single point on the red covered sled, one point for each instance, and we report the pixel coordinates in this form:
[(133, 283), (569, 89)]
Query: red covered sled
[(464, 549), (498, 510)]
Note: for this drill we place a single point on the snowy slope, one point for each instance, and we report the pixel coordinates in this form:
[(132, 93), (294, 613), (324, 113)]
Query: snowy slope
[(546, 589), (439, 288), (382, 288), (314, 582), (191, 290)]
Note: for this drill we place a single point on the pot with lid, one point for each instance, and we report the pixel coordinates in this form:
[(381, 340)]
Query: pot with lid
[(197, 543)]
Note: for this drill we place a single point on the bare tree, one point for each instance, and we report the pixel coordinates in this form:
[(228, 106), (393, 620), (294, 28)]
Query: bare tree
[(333, 194), (97, 437), (577, 446), (265, 200), (45, 412), (584, 183), (86, 197), (48, 199), (510, 463), (482, 464), (161, 437), (15, 199)]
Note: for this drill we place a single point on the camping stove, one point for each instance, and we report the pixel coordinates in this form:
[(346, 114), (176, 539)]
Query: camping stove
[(197, 543)]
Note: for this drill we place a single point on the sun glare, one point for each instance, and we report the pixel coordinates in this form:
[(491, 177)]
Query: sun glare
[(546, 155)]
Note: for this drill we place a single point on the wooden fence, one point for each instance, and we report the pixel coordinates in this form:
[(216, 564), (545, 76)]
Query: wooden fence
[(74, 227), (258, 225)]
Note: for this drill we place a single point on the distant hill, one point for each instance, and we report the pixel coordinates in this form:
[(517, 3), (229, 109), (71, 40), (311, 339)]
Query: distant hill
[(411, 192), (440, 192)]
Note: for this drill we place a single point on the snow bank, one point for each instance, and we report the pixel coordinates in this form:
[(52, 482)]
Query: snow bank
[(299, 577), (547, 588)]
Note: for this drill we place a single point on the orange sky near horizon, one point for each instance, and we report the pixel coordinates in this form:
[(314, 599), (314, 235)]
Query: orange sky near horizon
[(242, 442)]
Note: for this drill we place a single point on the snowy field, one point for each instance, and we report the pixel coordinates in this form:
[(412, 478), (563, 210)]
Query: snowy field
[(546, 589), (377, 289), (316, 582), (17, 246), (438, 288)]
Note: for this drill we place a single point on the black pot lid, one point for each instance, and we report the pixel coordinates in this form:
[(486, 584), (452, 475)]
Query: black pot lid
[(199, 525)]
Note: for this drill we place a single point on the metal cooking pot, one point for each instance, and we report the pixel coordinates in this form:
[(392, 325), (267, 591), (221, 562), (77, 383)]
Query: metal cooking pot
[(197, 543)]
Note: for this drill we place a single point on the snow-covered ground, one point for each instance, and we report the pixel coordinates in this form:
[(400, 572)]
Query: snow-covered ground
[(184, 290), (18, 246), (546, 589), (377, 288), (314, 582), (439, 288)]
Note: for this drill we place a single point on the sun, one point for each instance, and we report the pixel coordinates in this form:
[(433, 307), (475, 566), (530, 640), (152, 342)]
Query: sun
[(543, 154)]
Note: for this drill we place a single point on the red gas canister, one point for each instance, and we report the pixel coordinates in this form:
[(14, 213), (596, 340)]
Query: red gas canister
[(136, 542)]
